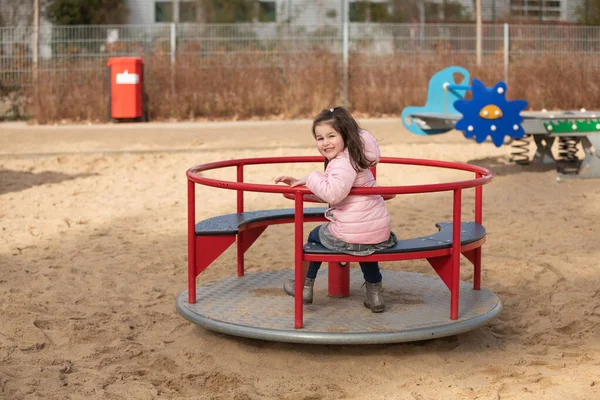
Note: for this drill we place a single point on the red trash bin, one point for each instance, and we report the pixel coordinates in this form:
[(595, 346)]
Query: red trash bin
[(125, 94)]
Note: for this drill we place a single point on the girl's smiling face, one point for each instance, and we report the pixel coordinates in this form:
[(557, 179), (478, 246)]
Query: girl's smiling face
[(330, 142)]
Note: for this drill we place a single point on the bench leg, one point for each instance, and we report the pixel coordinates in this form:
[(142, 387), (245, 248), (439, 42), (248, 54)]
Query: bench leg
[(448, 269), (207, 249), (245, 239), (339, 279), (475, 257), (477, 269), (240, 255)]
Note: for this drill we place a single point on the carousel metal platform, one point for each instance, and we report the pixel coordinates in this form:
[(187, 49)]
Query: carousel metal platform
[(417, 307)]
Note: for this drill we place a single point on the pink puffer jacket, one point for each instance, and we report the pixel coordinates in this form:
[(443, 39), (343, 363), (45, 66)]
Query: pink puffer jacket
[(354, 219)]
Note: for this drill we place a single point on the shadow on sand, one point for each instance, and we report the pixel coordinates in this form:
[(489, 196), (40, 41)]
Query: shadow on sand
[(500, 166), (15, 181)]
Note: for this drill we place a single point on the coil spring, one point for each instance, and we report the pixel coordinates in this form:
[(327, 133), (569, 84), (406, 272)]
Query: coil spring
[(520, 150), (568, 162), (567, 148)]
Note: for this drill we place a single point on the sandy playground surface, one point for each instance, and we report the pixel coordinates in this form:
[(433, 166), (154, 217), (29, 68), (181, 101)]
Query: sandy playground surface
[(93, 254)]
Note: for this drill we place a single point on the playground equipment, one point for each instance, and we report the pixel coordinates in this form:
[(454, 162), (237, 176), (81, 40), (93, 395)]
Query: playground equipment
[(490, 114), (254, 305)]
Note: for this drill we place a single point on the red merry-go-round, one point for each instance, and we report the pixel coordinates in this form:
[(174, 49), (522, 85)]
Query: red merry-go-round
[(254, 305)]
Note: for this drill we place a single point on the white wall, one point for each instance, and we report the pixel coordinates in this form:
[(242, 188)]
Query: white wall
[(303, 12), (140, 11)]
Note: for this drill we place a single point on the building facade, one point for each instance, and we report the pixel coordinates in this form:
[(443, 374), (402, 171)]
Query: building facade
[(325, 12)]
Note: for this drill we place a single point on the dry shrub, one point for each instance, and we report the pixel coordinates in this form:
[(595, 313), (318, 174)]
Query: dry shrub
[(259, 85), (80, 96), (552, 82), (242, 86), (388, 84)]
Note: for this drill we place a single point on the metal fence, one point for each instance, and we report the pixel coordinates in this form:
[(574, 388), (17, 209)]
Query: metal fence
[(63, 50)]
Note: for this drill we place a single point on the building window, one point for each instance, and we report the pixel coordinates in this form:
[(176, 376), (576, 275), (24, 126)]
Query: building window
[(380, 12), (163, 11), (267, 11), (367, 11), (536, 9), (187, 11), (358, 11), (224, 12)]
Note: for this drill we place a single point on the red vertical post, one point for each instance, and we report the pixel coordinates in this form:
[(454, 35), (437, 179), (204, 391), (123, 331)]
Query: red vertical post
[(298, 250), (240, 236), (478, 201), (374, 172), (240, 193), (191, 242), (456, 220), (338, 279), (478, 219)]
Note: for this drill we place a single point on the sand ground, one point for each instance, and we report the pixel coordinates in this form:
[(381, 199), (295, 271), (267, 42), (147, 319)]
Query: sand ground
[(93, 255)]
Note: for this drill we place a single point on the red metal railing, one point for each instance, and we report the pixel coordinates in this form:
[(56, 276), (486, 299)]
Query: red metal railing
[(482, 177)]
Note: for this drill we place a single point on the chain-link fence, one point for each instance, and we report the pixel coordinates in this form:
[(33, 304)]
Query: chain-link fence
[(243, 70), (63, 50)]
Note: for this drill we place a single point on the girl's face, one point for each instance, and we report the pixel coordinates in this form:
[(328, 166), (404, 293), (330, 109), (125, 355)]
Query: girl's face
[(329, 141)]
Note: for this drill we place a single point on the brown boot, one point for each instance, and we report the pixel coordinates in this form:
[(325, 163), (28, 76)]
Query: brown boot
[(307, 292), (374, 297)]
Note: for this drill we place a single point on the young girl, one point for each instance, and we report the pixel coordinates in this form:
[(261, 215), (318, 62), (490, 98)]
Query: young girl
[(359, 225)]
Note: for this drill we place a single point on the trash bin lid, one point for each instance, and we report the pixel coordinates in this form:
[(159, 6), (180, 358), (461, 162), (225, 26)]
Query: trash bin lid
[(124, 60)]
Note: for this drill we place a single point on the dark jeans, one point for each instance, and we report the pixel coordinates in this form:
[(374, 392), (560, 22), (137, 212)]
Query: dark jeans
[(370, 270)]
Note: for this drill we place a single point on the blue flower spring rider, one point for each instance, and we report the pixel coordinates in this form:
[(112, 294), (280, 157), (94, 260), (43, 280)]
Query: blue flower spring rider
[(487, 113)]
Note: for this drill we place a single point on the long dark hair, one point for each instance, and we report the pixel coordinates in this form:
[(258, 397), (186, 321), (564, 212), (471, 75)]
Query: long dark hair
[(341, 120)]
